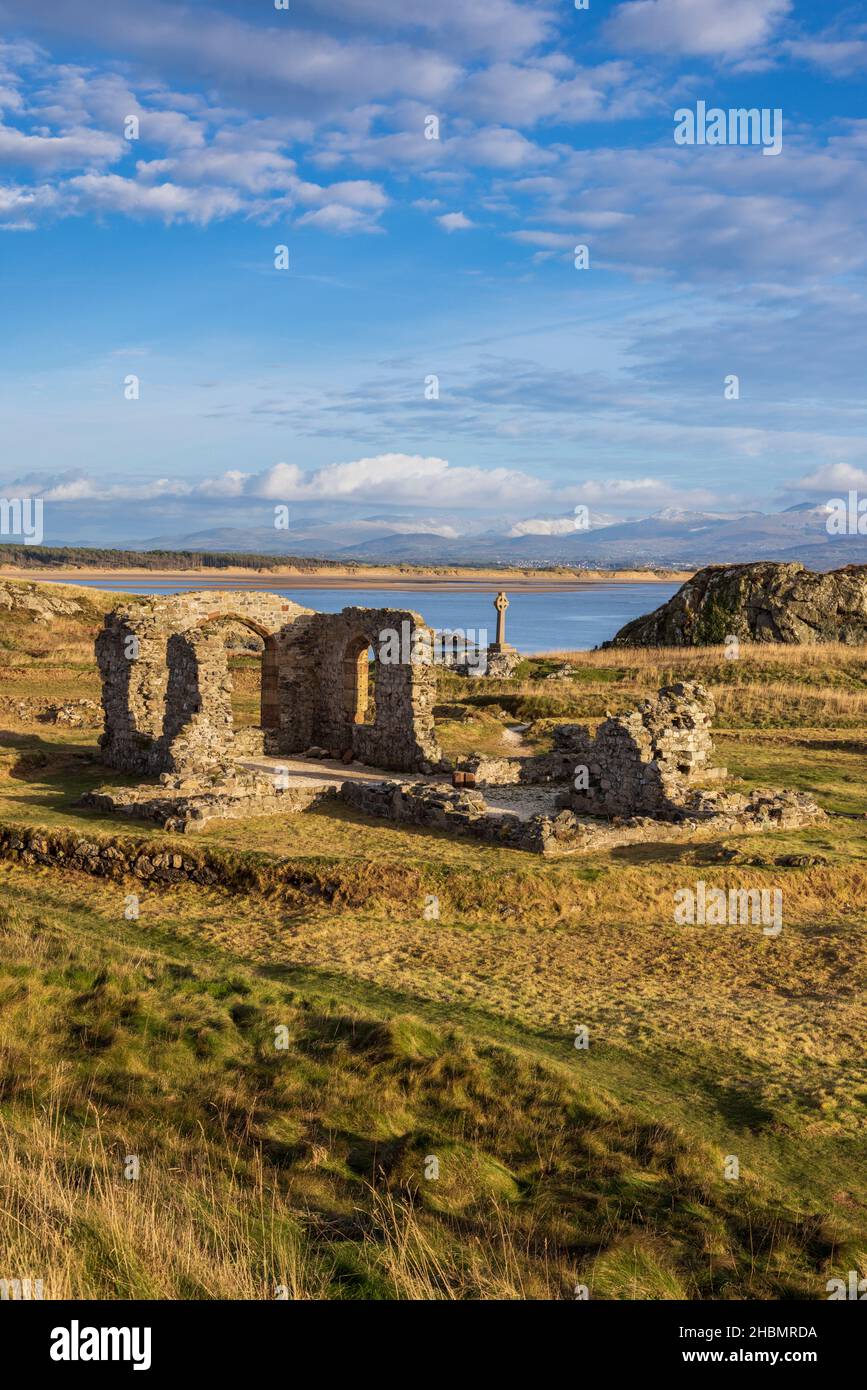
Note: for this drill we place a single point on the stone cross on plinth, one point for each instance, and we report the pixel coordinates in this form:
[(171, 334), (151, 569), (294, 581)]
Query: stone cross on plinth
[(501, 659), (501, 603)]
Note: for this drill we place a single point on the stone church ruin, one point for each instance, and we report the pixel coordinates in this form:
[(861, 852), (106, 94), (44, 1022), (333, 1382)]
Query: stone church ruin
[(321, 738), (167, 688)]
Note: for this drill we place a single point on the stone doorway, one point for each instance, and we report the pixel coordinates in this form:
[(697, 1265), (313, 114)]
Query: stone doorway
[(243, 658)]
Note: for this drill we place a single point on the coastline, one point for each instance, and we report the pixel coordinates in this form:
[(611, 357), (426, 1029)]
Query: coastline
[(373, 578)]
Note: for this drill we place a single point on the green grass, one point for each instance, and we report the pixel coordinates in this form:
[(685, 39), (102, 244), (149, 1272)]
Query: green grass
[(305, 1166), (409, 1039)]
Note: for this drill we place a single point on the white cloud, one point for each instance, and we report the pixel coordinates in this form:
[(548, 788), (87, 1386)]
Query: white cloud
[(467, 26), (392, 478), (74, 149), (257, 171), (832, 52), (170, 201), (549, 241), (20, 206), (336, 217), (292, 68), (397, 479), (703, 28), (545, 90), (719, 217), (638, 493), (455, 222), (84, 489), (831, 477), (556, 525)]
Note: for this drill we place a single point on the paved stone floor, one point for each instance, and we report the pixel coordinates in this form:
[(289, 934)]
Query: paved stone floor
[(330, 772), (523, 801), (324, 772)]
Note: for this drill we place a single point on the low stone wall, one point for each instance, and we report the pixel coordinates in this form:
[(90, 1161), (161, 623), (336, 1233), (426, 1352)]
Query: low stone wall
[(184, 805), (467, 813), (153, 862), (444, 808), (302, 886)]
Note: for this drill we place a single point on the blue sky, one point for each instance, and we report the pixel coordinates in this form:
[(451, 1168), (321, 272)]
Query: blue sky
[(410, 257)]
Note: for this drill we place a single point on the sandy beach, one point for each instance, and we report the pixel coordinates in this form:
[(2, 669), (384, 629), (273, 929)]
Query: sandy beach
[(290, 577)]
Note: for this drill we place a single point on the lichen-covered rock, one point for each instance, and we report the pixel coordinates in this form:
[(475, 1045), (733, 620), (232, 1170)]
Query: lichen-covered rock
[(43, 601), (763, 602), (501, 665)]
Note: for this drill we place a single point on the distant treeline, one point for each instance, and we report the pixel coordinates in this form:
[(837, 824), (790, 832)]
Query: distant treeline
[(76, 557)]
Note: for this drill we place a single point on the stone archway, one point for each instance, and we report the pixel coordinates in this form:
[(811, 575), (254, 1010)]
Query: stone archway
[(395, 730), (269, 670), (166, 683), (167, 691)]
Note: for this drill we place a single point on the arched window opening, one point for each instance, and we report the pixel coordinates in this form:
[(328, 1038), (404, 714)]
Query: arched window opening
[(251, 663), (359, 682)]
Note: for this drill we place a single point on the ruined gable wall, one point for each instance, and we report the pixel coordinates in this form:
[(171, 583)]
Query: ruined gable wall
[(166, 689), (643, 763), (402, 736)]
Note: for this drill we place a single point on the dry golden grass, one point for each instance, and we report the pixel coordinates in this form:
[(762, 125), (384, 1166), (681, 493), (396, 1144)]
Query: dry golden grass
[(818, 656), (303, 1170), (411, 1036)]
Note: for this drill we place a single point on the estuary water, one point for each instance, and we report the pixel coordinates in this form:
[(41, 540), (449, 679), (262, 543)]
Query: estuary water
[(556, 620)]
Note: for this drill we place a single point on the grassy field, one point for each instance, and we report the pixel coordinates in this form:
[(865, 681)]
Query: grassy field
[(404, 1040)]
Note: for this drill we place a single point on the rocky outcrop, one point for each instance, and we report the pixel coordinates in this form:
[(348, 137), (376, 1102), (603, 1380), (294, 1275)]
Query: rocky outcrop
[(764, 602), (41, 601)]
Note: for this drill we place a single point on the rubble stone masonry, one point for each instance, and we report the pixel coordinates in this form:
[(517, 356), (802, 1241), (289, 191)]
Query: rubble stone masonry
[(167, 689)]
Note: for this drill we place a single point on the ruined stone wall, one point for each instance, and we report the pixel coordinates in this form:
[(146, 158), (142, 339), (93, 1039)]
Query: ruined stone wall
[(167, 688), (464, 812), (401, 735), (643, 763)]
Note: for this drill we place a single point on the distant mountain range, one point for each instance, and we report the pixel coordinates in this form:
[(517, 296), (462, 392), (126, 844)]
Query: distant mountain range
[(666, 539)]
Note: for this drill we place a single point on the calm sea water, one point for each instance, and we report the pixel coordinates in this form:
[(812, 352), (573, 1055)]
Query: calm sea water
[(535, 622)]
